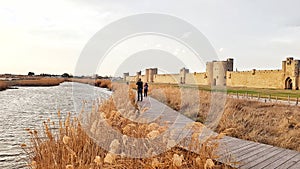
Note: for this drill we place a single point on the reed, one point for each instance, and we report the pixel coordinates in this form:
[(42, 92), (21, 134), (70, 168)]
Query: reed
[(3, 85), (71, 146), (38, 82), (268, 123), (191, 102), (103, 83)]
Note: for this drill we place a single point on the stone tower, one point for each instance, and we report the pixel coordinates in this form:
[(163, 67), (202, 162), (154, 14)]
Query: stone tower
[(229, 64), (125, 75), (147, 75), (216, 71), (183, 73), (150, 74), (291, 67), (138, 75)]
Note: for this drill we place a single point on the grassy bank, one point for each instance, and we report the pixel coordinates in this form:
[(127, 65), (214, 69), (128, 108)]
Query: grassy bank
[(3, 85), (32, 82), (103, 83), (35, 82), (38, 82), (279, 94), (72, 147), (273, 124), (268, 123)]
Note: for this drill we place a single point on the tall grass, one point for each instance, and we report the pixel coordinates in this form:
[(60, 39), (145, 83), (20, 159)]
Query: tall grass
[(191, 102), (71, 146), (3, 85), (103, 83), (269, 123), (38, 82)]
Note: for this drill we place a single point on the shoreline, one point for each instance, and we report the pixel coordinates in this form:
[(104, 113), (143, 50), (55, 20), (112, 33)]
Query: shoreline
[(49, 82)]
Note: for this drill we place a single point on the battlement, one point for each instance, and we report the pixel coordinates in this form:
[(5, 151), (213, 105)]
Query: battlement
[(150, 74), (216, 71), (220, 73), (259, 71)]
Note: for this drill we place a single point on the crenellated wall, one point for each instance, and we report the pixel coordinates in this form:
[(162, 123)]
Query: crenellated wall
[(196, 78), (221, 73), (256, 79), (157, 78), (167, 78)]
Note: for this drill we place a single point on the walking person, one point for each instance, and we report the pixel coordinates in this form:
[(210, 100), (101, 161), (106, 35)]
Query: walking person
[(146, 90), (139, 84)]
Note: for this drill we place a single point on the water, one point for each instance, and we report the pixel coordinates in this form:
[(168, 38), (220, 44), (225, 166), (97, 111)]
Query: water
[(28, 107)]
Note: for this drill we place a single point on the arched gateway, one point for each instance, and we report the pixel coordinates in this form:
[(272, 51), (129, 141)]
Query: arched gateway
[(288, 83)]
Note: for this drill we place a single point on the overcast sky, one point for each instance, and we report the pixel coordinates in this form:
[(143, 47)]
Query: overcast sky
[(48, 36)]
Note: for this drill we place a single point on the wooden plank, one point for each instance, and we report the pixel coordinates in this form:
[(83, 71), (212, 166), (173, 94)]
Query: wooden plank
[(227, 148), (290, 162), (236, 150), (271, 160), (250, 155), (260, 157), (225, 139), (234, 144), (233, 149), (239, 156), (284, 159), (295, 166), (250, 152)]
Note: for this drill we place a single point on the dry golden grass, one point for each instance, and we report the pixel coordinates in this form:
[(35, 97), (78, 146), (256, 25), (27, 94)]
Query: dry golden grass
[(269, 123), (189, 106), (38, 82), (3, 85), (79, 80), (103, 83), (71, 147)]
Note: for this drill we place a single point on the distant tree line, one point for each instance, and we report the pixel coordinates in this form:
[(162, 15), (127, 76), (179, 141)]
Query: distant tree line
[(30, 73), (67, 75)]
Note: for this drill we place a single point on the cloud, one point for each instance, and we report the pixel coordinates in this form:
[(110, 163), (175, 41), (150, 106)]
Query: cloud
[(267, 31), (282, 41)]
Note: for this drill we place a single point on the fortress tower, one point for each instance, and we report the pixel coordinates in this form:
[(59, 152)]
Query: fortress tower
[(220, 73), (138, 75), (216, 71), (125, 75), (147, 75), (183, 73), (150, 74), (290, 68)]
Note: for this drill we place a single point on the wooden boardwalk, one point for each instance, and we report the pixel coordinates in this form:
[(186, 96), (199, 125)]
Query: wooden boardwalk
[(244, 154)]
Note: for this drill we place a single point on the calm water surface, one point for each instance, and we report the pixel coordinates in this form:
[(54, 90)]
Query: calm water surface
[(28, 107)]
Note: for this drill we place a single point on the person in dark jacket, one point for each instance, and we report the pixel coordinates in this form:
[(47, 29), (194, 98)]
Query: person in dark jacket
[(139, 84), (146, 90)]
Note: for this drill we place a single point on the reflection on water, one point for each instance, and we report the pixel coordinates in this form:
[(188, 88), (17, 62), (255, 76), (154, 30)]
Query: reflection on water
[(28, 107)]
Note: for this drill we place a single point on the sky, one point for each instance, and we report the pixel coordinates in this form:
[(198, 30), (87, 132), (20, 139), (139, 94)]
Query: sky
[(49, 36)]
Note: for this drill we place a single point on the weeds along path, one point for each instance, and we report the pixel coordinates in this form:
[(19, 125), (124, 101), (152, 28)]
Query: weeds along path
[(77, 144), (232, 151), (266, 100)]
